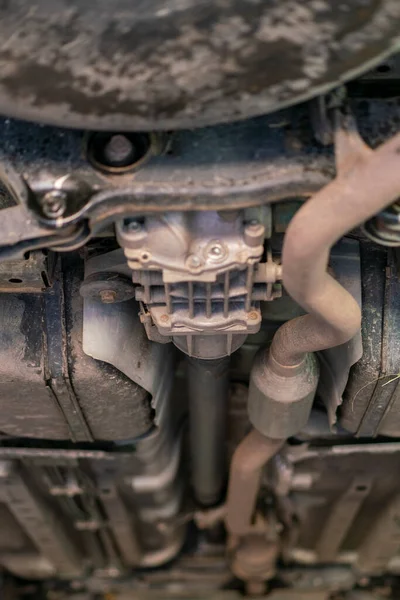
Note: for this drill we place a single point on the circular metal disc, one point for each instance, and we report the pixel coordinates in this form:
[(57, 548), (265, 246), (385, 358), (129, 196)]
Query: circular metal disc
[(162, 64)]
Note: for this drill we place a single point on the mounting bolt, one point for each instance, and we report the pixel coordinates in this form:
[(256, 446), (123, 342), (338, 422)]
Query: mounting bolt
[(54, 203), (193, 262), (254, 234), (132, 226), (253, 315), (119, 150), (164, 318), (216, 251), (108, 296)]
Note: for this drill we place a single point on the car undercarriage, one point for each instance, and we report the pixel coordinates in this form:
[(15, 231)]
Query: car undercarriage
[(199, 299)]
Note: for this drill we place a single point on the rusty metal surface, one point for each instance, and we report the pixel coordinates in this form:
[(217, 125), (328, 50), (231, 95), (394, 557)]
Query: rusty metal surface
[(341, 517), (358, 483), (112, 333), (254, 162), (58, 380), (245, 164), (335, 363), (381, 542), (263, 160), (49, 388), (365, 374), (40, 522), (279, 594), (110, 504), (372, 397), (156, 64), (298, 595), (330, 497), (32, 274)]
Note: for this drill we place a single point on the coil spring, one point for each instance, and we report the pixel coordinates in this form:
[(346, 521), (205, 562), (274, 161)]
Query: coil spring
[(384, 228)]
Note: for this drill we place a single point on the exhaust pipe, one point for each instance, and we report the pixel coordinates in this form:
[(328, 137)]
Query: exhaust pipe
[(284, 378)]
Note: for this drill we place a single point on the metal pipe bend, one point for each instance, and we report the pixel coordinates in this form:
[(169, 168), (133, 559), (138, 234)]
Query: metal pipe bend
[(371, 183), (367, 182)]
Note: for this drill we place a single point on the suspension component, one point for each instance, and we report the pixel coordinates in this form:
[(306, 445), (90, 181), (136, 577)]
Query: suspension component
[(384, 228)]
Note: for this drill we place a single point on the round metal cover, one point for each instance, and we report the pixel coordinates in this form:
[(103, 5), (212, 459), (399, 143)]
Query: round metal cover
[(161, 64)]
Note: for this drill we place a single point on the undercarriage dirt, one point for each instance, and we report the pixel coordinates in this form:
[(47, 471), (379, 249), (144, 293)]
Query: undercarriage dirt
[(200, 325)]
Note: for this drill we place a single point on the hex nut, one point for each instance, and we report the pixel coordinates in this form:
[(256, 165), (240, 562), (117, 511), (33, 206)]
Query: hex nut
[(54, 203), (118, 150), (108, 288)]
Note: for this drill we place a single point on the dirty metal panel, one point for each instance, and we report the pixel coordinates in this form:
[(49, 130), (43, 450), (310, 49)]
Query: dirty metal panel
[(282, 594), (49, 388), (179, 64), (32, 274), (90, 509), (373, 396), (39, 521), (337, 493)]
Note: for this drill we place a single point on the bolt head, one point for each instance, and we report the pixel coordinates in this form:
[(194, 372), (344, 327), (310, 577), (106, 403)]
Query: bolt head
[(108, 296), (252, 315), (133, 226), (216, 251), (54, 203), (164, 318), (119, 150), (193, 261)]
